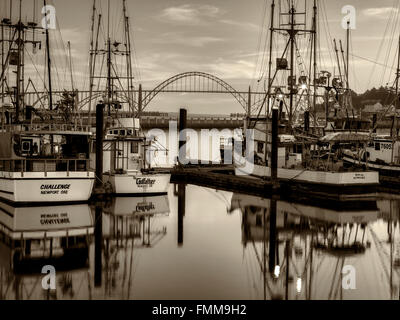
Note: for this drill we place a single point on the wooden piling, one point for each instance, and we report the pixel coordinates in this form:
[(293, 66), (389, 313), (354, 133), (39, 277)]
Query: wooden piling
[(99, 144), (182, 135), (274, 148), (306, 121)]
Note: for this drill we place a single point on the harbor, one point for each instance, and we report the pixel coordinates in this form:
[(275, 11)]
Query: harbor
[(133, 178)]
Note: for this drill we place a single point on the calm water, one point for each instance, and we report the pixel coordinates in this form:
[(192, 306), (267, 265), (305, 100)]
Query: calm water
[(205, 245)]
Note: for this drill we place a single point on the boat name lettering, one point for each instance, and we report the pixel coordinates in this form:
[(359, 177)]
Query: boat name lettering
[(145, 181), (54, 186), (387, 146), (54, 218), (143, 207), (359, 176)]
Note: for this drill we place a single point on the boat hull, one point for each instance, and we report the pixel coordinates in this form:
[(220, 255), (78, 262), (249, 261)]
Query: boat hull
[(56, 187), (138, 184), (338, 185), (317, 177)]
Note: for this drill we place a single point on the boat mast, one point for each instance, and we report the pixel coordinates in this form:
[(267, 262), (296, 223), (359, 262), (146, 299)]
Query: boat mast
[(292, 34), (109, 93), (271, 37), (91, 70), (129, 73), (397, 90), (20, 45), (315, 66), (48, 59), (348, 93)]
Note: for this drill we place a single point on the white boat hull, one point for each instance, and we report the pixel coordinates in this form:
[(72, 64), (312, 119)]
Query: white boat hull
[(55, 187), (373, 166), (138, 183), (316, 177)]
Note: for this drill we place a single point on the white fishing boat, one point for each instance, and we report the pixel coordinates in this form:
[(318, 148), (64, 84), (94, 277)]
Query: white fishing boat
[(381, 154), (42, 163), (127, 171), (319, 174), (44, 153)]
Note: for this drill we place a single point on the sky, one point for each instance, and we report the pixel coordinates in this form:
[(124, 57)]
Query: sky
[(226, 38)]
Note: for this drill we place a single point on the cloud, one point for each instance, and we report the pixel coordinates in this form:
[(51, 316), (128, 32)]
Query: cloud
[(239, 24), (189, 13), (186, 40), (381, 13)]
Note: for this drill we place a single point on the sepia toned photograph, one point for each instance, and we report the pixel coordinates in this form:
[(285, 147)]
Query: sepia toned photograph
[(199, 155)]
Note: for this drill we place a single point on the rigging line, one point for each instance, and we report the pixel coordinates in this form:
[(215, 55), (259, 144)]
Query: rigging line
[(37, 71), (393, 30), (372, 61), (259, 42), (380, 46), (327, 30)]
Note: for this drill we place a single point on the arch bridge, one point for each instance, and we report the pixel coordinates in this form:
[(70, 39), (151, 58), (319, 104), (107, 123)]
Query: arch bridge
[(187, 82)]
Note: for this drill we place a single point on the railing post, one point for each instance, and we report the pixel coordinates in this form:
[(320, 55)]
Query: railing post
[(45, 168), (68, 168)]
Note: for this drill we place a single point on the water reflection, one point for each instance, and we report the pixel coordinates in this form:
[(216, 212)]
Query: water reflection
[(32, 237), (198, 243), (309, 246)]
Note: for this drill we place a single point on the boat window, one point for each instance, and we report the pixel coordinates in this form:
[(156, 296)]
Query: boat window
[(129, 132), (115, 131), (260, 147), (258, 220), (26, 146), (134, 147), (122, 132), (377, 146)]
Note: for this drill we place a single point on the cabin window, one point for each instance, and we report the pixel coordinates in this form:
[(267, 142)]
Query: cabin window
[(260, 147), (377, 146), (258, 220), (122, 132), (26, 146), (116, 132), (134, 147), (129, 132)]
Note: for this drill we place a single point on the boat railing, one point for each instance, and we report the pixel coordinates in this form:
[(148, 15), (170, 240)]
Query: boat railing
[(45, 165), (56, 127)]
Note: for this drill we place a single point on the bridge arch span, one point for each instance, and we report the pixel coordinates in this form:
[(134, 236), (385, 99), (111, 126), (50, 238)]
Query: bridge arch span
[(196, 82)]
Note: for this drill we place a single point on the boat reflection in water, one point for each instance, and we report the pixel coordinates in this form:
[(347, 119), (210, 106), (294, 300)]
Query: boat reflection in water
[(33, 237), (128, 225), (304, 251), (65, 237)]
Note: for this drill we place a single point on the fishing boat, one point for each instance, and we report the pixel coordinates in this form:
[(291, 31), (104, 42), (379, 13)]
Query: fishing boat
[(127, 158), (126, 149), (383, 151), (44, 154), (45, 163), (304, 159)]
